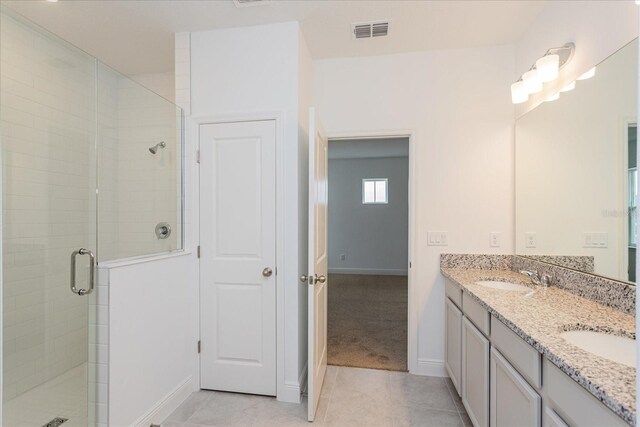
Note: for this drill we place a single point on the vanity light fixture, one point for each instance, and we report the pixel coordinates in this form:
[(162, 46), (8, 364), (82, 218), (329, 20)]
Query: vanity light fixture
[(570, 86), (543, 71), (588, 74), (519, 93), (547, 67), (532, 81), (553, 97)]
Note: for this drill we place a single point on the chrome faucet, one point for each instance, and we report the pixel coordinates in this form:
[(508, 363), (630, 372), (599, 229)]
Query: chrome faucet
[(545, 280), (535, 277)]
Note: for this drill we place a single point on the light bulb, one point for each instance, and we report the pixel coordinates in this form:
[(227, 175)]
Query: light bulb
[(553, 97), (547, 67), (570, 86), (519, 93), (588, 74), (532, 82)]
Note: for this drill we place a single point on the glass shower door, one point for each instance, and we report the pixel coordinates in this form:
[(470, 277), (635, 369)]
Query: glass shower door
[(48, 137)]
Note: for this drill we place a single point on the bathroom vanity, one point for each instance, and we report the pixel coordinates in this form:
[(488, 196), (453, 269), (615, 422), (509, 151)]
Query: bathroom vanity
[(524, 354), (512, 358)]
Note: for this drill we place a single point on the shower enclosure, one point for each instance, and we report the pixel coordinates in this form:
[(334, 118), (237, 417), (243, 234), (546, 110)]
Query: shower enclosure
[(80, 186)]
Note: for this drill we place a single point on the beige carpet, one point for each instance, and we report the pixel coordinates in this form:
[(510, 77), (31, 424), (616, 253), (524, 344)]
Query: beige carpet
[(368, 321)]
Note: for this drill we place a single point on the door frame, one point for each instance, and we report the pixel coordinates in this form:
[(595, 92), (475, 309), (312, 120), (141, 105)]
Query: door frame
[(279, 117), (623, 228), (412, 311)]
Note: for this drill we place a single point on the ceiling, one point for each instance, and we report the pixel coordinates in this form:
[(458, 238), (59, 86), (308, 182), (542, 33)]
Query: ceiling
[(368, 148), (136, 36)]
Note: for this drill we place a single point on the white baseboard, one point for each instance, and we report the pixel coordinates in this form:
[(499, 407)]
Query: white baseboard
[(162, 409), (431, 368), (292, 391), (370, 271)]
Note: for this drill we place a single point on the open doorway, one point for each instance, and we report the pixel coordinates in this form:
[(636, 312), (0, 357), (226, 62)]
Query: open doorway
[(368, 229)]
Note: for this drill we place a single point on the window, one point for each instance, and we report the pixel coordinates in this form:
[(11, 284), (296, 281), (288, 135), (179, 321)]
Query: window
[(374, 191)]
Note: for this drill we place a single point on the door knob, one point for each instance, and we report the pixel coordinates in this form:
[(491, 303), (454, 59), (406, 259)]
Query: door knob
[(267, 272), (304, 278), (320, 279)]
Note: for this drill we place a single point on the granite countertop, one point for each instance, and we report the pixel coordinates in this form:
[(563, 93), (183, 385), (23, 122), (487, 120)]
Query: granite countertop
[(540, 316)]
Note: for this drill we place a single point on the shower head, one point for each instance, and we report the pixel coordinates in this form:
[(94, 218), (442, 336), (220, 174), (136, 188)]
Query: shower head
[(160, 144)]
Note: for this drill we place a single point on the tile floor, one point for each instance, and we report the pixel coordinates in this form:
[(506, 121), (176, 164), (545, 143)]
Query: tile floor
[(64, 396), (350, 397)]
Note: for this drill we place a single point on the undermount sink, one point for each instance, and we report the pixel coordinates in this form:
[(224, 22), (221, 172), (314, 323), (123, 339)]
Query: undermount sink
[(612, 347), (503, 286)]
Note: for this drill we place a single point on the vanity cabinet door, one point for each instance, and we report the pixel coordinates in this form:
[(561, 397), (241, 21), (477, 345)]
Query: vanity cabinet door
[(453, 343), (475, 374), (513, 401), (551, 419)]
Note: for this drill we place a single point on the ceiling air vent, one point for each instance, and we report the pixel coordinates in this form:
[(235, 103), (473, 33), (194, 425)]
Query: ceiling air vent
[(366, 30), (246, 3)]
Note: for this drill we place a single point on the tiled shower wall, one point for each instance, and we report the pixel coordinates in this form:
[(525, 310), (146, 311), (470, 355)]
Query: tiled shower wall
[(137, 189), (50, 130), (147, 185), (48, 135)]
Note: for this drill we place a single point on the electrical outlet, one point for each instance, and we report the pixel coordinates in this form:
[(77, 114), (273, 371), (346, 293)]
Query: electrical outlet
[(595, 240), (530, 240), (343, 257), (494, 239), (438, 238)]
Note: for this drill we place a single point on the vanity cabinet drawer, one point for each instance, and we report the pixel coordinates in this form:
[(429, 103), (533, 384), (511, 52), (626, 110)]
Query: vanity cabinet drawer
[(476, 313), (520, 354), (573, 403), (513, 401), (453, 291)]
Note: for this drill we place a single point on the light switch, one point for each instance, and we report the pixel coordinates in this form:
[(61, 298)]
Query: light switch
[(494, 239), (530, 240), (438, 238)]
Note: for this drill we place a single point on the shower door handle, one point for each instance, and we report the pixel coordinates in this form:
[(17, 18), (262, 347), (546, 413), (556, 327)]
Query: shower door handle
[(92, 267)]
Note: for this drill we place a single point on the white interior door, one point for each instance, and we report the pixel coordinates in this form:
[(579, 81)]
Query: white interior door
[(318, 282), (238, 257)]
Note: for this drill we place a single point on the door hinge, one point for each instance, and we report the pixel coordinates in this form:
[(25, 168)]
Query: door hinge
[(198, 251), (197, 156), (199, 347)]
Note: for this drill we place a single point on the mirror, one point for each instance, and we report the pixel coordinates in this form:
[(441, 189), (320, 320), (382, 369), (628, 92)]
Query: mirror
[(576, 173)]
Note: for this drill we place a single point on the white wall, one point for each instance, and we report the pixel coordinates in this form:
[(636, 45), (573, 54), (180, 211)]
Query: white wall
[(151, 338), (248, 71), (373, 238), (457, 106), (598, 28)]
